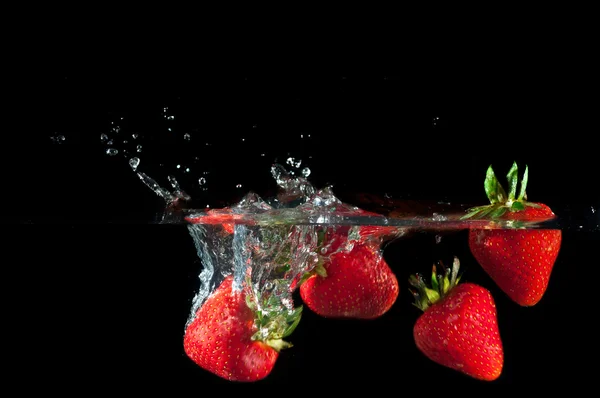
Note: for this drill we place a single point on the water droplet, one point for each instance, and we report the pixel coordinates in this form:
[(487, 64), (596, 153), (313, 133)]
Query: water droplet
[(187, 169), (169, 129), (439, 217), (254, 126), (238, 186), (58, 138), (268, 285), (139, 148), (202, 180), (134, 136), (116, 129), (170, 117), (593, 210), (438, 239), (262, 154), (134, 163), (178, 166), (187, 136), (293, 162), (103, 137), (125, 141), (305, 172), (435, 121), (110, 142), (111, 151), (243, 139)]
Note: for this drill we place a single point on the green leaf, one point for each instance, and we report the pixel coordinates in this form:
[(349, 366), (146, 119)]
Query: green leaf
[(414, 281), (522, 194), (446, 285), (282, 269), (432, 295), (250, 303), (278, 344), (304, 278), (434, 281), (491, 185), (531, 204), (513, 180), (472, 212), (320, 270), (516, 206), (498, 212), (290, 329), (455, 267)]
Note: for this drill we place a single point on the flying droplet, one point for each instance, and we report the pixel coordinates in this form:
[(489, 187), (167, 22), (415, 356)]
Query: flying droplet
[(305, 172), (238, 186), (438, 239), (202, 180), (187, 136), (112, 151), (58, 138), (134, 163), (139, 148), (134, 136), (103, 137)]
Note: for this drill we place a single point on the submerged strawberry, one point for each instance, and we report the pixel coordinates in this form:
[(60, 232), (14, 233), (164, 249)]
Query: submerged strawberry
[(351, 284), (459, 327), (519, 260), (224, 217), (234, 339)]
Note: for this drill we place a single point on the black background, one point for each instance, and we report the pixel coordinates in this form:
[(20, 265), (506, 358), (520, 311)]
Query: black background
[(99, 292)]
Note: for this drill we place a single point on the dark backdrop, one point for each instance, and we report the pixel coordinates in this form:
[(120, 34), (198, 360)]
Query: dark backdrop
[(99, 293)]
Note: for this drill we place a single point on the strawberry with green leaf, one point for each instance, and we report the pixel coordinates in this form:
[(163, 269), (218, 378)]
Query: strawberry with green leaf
[(234, 337), (459, 326), (519, 260), (356, 283)]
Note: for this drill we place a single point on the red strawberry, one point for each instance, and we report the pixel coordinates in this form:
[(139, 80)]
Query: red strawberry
[(459, 326), (224, 216), (234, 341), (519, 260), (351, 284), (380, 232)]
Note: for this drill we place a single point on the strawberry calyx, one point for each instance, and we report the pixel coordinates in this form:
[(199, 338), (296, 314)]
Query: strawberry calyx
[(500, 201), (272, 319), (441, 284)]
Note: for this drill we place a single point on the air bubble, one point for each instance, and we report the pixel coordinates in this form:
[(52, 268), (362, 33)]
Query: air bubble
[(134, 163)]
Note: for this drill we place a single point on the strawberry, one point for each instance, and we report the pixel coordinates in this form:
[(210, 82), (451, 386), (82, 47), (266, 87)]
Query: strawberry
[(377, 232), (459, 327), (519, 260), (351, 284), (225, 217), (234, 339)]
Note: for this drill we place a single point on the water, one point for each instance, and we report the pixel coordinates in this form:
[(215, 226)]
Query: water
[(119, 269)]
